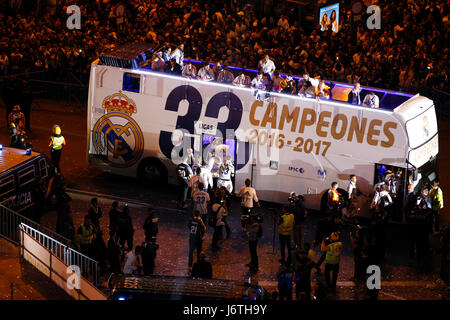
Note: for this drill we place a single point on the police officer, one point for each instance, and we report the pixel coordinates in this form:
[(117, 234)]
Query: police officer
[(333, 198), (57, 143), (87, 231), (333, 249), (285, 228)]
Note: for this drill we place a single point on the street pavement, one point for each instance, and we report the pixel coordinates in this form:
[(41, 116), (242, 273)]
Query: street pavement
[(400, 281)]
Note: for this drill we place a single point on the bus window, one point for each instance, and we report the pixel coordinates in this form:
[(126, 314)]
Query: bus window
[(43, 169), (131, 82), (26, 175), (6, 185)]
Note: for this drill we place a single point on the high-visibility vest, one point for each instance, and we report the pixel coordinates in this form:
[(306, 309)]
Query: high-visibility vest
[(334, 254), (334, 196), (437, 199), (87, 234), (287, 226), (57, 142)]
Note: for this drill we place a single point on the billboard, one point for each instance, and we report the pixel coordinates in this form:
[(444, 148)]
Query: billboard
[(329, 18)]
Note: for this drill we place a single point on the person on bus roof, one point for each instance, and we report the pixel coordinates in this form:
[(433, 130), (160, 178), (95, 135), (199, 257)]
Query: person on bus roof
[(371, 100)]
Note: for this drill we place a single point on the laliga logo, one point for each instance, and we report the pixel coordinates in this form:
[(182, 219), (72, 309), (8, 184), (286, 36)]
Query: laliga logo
[(116, 135)]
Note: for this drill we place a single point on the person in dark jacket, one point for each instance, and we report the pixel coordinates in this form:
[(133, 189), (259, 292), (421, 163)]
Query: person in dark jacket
[(95, 212), (150, 225), (149, 249), (114, 253), (113, 219), (99, 251), (173, 68), (202, 268), (125, 226)]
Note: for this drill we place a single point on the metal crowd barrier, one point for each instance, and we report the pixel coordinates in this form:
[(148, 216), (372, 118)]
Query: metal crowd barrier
[(11, 220), (89, 268)]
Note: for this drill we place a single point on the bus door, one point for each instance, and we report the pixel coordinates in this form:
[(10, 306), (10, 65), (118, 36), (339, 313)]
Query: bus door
[(222, 151), (393, 179)]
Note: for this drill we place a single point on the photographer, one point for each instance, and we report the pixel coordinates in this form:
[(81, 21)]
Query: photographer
[(285, 227), (218, 210), (299, 216), (325, 226), (333, 248), (253, 230)]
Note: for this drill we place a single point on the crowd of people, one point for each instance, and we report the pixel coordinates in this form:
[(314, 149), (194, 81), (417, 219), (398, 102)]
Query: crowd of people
[(408, 52)]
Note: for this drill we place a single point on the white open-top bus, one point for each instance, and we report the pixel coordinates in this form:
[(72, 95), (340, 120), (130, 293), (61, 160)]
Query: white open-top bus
[(141, 122)]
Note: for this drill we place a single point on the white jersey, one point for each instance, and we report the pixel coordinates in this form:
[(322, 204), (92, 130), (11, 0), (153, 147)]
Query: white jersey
[(377, 198), (225, 171), (248, 195), (206, 175), (351, 188), (200, 199)]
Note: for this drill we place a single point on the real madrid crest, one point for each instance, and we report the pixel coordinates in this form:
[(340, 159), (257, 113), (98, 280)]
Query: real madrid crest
[(116, 135)]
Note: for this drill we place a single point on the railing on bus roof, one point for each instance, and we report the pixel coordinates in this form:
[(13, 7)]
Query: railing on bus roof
[(88, 266)]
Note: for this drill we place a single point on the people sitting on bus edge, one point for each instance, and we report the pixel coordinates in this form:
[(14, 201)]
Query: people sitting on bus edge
[(354, 97), (290, 88), (371, 100), (322, 90), (259, 84), (205, 73), (225, 76), (266, 66), (174, 68), (189, 70), (158, 63), (275, 85), (307, 86), (216, 69), (166, 54), (242, 80)]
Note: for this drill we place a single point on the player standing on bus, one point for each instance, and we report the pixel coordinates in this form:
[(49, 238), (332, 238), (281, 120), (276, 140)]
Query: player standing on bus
[(226, 171), (57, 143)]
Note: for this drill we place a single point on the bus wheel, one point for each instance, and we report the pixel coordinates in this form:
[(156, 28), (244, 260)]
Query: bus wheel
[(152, 171)]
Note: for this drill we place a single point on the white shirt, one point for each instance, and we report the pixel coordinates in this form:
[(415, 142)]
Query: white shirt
[(206, 75), (258, 83), (189, 71), (267, 66), (377, 198), (248, 195), (201, 199), (131, 263), (225, 173), (350, 188), (178, 55), (374, 102)]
